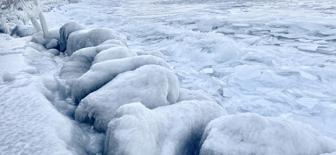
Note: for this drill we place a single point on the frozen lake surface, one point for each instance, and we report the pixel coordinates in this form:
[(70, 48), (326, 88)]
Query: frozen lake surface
[(266, 57), (272, 58)]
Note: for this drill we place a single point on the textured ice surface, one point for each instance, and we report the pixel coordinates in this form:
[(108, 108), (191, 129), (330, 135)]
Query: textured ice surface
[(65, 31), (101, 73), (169, 130), (22, 31), (187, 94), (255, 134), (114, 53), (152, 85), (88, 38), (274, 58), (80, 61), (281, 61)]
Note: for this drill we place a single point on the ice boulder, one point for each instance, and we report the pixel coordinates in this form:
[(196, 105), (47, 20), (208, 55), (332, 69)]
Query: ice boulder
[(22, 31), (101, 73), (88, 38), (78, 63), (168, 130), (152, 85), (52, 44), (255, 134), (81, 61), (41, 39), (114, 53), (65, 31)]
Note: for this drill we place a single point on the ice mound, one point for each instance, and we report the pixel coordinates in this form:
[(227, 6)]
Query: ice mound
[(114, 53), (152, 85), (22, 31), (65, 31), (255, 134), (78, 63), (169, 130), (88, 38), (81, 61), (101, 73)]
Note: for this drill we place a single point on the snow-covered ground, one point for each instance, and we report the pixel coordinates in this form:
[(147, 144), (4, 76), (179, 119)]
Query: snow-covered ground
[(273, 58)]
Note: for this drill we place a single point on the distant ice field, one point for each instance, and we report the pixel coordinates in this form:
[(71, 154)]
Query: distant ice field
[(274, 58)]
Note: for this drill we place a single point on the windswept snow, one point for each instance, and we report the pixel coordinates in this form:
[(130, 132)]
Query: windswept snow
[(30, 123)]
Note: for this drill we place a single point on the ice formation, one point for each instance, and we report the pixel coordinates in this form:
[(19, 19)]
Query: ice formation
[(101, 73), (254, 134), (152, 85), (65, 31), (168, 130), (88, 38)]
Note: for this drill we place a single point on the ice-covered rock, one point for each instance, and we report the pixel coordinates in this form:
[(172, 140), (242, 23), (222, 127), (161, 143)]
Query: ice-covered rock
[(53, 43), (42, 39), (101, 73), (54, 51), (22, 31), (114, 53), (169, 130), (53, 34), (80, 61), (39, 38), (152, 85), (88, 38), (65, 31), (255, 134)]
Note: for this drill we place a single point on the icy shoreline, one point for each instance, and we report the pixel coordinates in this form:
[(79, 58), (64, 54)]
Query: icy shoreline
[(275, 60)]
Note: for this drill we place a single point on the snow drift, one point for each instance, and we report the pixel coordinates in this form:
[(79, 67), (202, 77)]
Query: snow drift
[(101, 73), (152, 85), (255, 134), (169, 130)]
